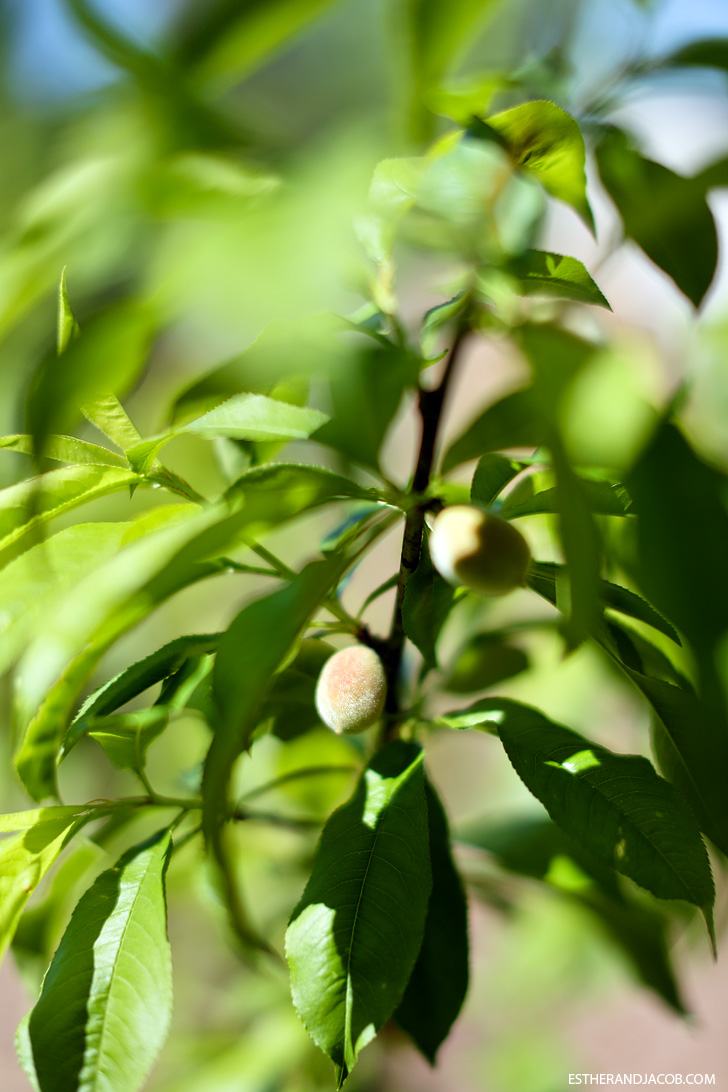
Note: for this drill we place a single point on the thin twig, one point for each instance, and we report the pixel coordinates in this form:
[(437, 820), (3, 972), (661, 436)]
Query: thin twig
[(430, 404)]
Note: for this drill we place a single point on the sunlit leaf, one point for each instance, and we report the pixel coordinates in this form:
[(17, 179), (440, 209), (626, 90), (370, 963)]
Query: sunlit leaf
[(547, 143), (542, 273), (65, 449), (242, 417), (439, 981), (67, 326), (106, 1002), (32, 503), (355, 935), (26, 856)]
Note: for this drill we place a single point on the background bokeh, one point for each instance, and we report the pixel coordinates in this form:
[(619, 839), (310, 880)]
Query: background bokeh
[(199, 187)]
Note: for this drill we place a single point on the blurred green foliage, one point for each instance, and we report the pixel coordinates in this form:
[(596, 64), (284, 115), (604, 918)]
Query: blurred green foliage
[(228, 275)]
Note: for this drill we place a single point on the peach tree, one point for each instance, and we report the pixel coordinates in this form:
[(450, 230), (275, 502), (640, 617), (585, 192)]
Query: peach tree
[(635, 567)]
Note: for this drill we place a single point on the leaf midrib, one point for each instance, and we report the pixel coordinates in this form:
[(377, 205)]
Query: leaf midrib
[(92, 1087)]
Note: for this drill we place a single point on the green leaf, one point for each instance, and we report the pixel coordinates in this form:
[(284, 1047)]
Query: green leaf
[(242, 417), (542, 273), (546, 143), (492, 474), (290, 708), (354, 937), (231, 41), (441, 34), (108, 355), (32, 503), (31, 584), (538, 848), (365, 395), (68, 328), (545, 576), (106, 1002), (666, 215), (297, 487), (486, 659), (126, 737), (704, 53), (251, 651), (699, 749), (439, 981), (428, 599), (615, 805), (109, 416), (557, 357), (603, 498), (65, 449), (134, 680), (26, 857), (513, 422)]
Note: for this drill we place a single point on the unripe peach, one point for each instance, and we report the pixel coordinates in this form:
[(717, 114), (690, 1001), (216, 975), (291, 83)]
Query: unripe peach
[(351, 689), (478, 549)]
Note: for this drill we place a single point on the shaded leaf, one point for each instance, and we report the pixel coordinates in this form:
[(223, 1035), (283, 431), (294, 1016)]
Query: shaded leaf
[(134, 680), (296, 487), (513, 422), (545, 576), (291, 706), (427, 602), (482, 662), (353, 938), (603, 498), (439, 981), (538, 848), (492, 474), (126, 737), (666, 215), (704, 53), (365, 394), (106, 1002), (615, 805)]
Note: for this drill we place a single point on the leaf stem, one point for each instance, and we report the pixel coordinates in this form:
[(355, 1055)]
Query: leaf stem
[(296, 775)]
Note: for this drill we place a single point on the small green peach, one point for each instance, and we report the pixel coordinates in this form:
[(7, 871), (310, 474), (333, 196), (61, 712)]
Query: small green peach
[(351, 690), (478, 549)]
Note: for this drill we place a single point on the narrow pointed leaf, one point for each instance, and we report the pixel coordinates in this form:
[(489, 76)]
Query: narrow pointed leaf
[(439, 981), (544, 577), (603, 498), (355, 935), (106, 1002), (615, 805), (32, 503), (68, 328), (546, 143), (666, 215), (26, 856), (242, 417), (513, 422), (428, 600), (135, 679), (542, 273), (65, 449), (492, 474)]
